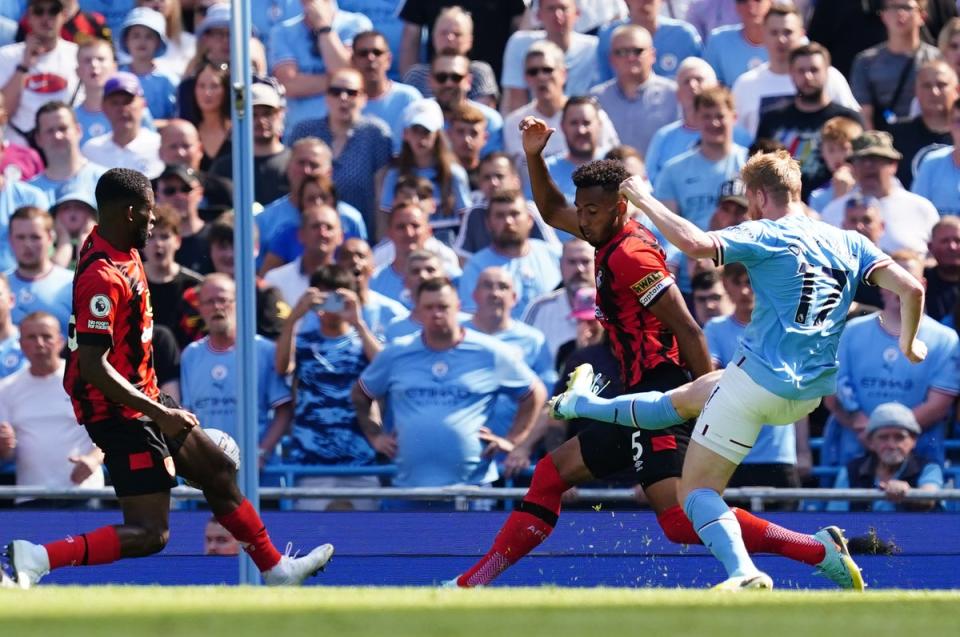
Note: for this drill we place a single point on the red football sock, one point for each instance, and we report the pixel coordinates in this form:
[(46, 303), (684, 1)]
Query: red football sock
[(101, 546), (525, 529), (245, 525), (677, 526), (762, 536)]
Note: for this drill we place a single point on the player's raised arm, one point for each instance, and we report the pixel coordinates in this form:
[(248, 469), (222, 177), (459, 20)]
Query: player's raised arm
[(891, 276), (688, 238), (97, 370), (550, 201)]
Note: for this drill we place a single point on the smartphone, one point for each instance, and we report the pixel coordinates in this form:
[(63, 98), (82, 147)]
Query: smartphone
[(333, 303)]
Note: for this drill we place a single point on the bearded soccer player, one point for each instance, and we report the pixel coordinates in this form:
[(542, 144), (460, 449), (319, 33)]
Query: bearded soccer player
[(658, 345), (146, 437)]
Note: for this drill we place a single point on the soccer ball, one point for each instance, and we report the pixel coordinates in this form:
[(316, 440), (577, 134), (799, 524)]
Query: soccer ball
[(227, 445)]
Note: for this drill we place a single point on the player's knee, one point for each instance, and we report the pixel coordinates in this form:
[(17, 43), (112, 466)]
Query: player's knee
[(152, 540)]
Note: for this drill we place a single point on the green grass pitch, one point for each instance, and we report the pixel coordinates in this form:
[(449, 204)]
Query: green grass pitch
[(555, 612)]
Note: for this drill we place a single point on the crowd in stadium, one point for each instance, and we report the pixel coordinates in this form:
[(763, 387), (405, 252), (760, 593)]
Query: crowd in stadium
[(388, 159)]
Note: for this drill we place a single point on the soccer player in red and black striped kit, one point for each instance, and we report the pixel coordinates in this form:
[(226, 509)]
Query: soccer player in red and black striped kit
[(659, 346), (146, 437)]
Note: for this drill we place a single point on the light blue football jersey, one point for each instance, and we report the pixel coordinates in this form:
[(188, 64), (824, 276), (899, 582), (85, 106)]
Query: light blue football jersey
[(804, 275)]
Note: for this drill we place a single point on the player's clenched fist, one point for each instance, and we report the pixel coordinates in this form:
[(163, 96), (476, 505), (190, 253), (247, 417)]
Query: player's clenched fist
[(635, 189)]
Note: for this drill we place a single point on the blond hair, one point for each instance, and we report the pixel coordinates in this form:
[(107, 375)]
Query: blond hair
[(776, 173), (840, 130)]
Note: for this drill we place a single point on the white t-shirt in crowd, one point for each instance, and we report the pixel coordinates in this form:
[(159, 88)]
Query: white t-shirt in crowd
[(41, 414), (908, 219), (53, 76), (557, 144), (142, 154)]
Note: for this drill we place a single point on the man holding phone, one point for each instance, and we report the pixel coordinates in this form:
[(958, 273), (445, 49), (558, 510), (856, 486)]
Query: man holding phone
[(326, 358)]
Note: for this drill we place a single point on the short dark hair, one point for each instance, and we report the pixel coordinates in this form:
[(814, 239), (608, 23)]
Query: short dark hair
[(498, 154), (332, 277), (371, 33), (579, 100), (809, 49), (122, 187), (765, 145), (221, 229), (166, 217), (51, 107), (505, 195), (704, 280), (608, 174), (733, 270), (434, 285)]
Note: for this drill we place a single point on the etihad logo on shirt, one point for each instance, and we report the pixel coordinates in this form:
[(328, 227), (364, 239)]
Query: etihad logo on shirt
[(649, 288), (45, 83)]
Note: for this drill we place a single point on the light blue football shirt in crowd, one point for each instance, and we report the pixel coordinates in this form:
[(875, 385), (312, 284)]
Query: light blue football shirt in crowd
[(730, 55), (820, 197), (774, 444), (873, 371), (279, 223), (561, 171), (52, 293), (534, 274), (938, 179), (208, 385), (439, 400), (674, 139), (11, 356), (388, 282), (13, 9), (529, 345), (13, 195), (930, 475), (385, 16), (113, 11), (408, 325), (674, 41), (693, 182), (325, 428), (159, 91), (804, 275), (390, 106), (84, 181), (292, 41), (460, 184), (266, 14)]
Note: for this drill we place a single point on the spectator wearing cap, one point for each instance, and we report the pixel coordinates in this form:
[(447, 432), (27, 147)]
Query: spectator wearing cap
[(270, 156), (306, 49), (426, 153), (58, 135), (545, 71), (943, 278), (128, 144), (74, 216), (872, 371), (80, 24), (551, 312), (796, 124), (362, 146), (862, 214), (558, 18), (635, 87), (450, 83), (890, 465), (453, 34), (907, 217), (386, 98), (180, 187), (735, 48), (883, 76), (673, 40), (40, 69), (938, 178), (37, 283), (143, 39), (918, 136), (533, 264)]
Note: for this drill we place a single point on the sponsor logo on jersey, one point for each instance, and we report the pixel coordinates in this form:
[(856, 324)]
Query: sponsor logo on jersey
[(649, 288)]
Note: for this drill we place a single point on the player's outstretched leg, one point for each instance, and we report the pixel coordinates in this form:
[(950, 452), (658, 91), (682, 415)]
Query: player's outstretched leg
[(526, 528), (651, 410), (204, 464)]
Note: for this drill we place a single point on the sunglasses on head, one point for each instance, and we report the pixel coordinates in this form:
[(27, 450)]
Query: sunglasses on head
[(442, 77), (339, 91), (534, 71)]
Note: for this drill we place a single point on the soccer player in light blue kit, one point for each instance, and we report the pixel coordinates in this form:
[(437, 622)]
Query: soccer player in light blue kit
[(804, 274)]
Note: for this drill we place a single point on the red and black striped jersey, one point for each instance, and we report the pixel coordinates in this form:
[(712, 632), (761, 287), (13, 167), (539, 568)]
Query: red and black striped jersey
[(631, 276), (111, 308)]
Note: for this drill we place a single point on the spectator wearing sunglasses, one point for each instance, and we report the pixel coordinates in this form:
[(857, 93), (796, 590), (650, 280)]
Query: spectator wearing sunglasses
[(362, 146), (181, 188), (79, 25), (306, 49), (450, 80)]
